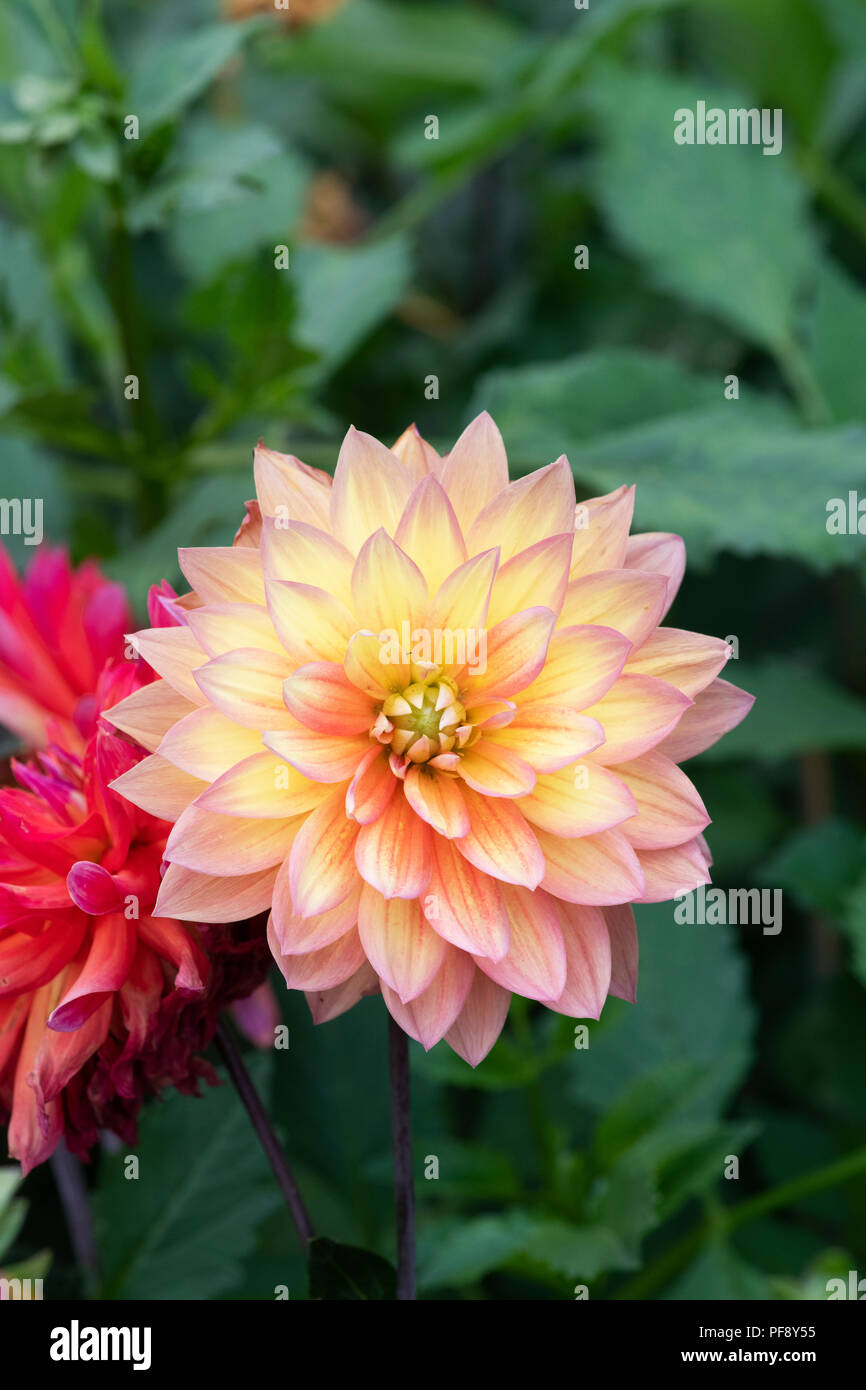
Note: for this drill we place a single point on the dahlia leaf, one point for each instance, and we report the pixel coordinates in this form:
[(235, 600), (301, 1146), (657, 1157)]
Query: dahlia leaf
[(183, 1228), (346, 1272)]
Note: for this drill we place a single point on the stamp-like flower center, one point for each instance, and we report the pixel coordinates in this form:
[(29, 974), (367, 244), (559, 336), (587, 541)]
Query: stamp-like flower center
[(425, 719)]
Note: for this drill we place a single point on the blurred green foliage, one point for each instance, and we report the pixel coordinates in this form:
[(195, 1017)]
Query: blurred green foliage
[(408, 258)]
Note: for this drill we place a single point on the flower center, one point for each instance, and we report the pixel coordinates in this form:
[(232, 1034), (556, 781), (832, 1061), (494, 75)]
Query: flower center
[(423, 720)]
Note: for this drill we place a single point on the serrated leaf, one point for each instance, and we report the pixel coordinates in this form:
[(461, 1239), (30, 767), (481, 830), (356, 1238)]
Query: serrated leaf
[(184, 1226), (732, 204)]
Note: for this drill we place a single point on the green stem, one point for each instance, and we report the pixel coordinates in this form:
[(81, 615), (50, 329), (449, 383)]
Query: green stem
[(835, 191), (730, 1219), (803, 383)]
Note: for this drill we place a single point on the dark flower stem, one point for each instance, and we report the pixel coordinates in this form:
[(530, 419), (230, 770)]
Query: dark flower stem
[(264, 1131), (72, 1191), (401, 1131)]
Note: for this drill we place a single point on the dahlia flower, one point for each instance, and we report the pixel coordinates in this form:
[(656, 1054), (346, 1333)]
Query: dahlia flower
[(429, 718), (101, 1002), (58, 627)]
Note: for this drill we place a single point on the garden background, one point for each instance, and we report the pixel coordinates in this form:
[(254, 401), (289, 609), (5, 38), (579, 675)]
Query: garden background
[(411, 258)]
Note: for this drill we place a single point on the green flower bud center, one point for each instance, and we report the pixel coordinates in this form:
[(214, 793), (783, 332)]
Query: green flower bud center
[(426, 717)]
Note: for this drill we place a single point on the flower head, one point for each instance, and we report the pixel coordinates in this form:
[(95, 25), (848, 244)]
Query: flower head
[(58, 627), (430, 719), (101, 1002)]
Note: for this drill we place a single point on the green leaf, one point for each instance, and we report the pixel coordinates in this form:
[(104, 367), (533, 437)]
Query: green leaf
[(838, 319), (346, 1272), (408, 44), (344, 293), (547, 408), (453, 1252), (184, 1226), (853, 923), (819, 865), (796, 710), (694, 472), (168, 77), (739, 243), (719, 1273), (692, 1008)]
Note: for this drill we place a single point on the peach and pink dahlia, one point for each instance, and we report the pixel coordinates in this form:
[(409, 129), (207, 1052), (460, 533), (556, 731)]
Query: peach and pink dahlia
[(430, 719)]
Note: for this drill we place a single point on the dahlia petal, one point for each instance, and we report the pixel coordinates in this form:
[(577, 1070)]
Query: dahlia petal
[(372, 786), (31, 961), (149, 712), (207, 743), (366, 669), (671, 872), (516, 652), (387, 587), (623, 951), (500, 841), (322, 871), (112, 947), (480, 1021), (223, 627), (494, 770), (228, 846), (686, 660), (312, 624), (528, 510), (669, 810), (582, 664), (93, 889), (322, 697), (595, 869), (177, 944), (291, 490), (537, 576), (321, 757), (196, 897), (636, 714), (323, 969), (297, 552), (578, 800), (476, 470), (626, 600), (62, 1053), (246, 685), (462, 601), (262, 786), (535, 963), (430, 533), (300, 935), (465, 905), (326, 1004), (400, 945), (159, 788), (174, 654), (550, 736), (588, 962), (34, 1130), (429, 1015), (393, 853), (715, 711), (371, 489), (417, 456), (223, 573), (660, 553), (601, 532), (438, 800)]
